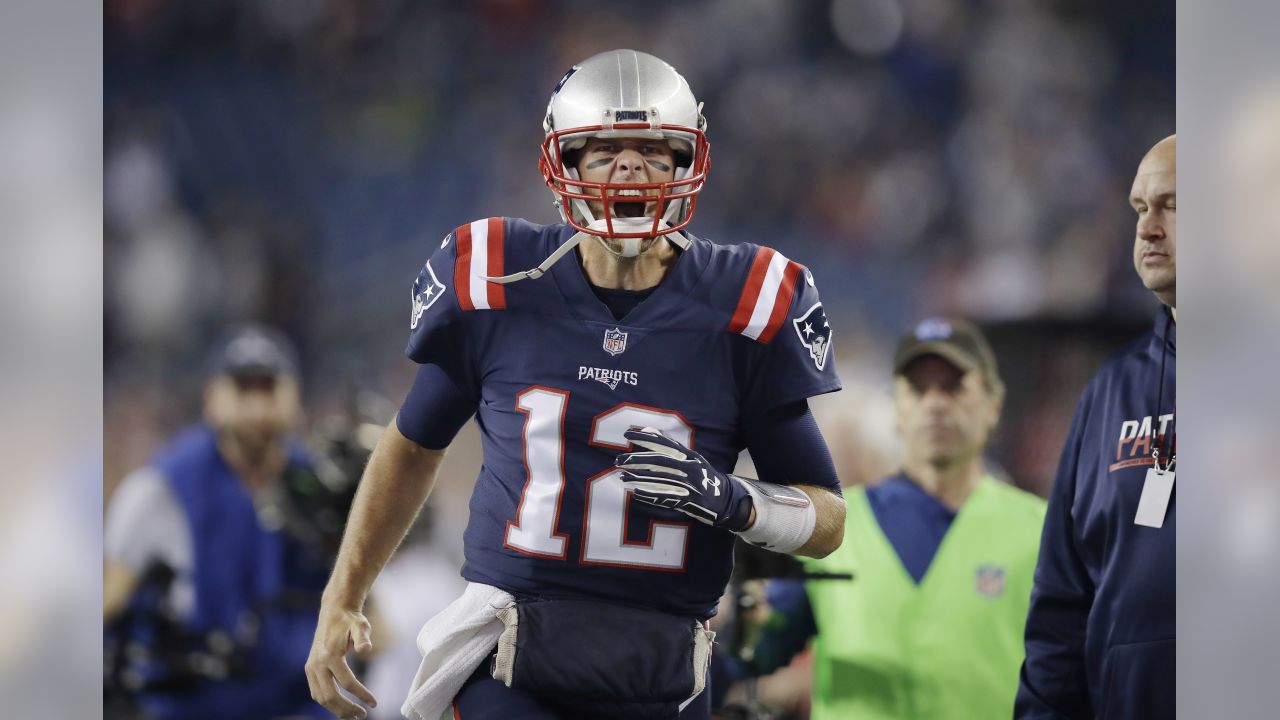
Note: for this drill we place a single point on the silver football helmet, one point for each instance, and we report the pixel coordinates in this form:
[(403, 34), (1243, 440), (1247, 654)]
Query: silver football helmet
[(622, 93)]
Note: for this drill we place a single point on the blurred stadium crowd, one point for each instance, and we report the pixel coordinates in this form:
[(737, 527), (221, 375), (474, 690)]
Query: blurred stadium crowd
[(294, 162)]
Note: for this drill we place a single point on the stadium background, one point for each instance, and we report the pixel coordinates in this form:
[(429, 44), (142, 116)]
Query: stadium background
[(295, 163)]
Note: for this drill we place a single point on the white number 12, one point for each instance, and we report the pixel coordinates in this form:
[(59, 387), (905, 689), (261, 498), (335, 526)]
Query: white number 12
[(604, 537)]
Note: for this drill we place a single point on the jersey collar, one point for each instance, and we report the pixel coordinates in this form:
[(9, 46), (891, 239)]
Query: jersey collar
[(656, 309)]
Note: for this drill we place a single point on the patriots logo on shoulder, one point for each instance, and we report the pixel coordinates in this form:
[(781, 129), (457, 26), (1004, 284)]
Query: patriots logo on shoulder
[(815, 334), (427, 289)]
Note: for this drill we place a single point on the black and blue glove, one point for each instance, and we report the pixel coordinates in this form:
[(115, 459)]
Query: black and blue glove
[(670, 475)]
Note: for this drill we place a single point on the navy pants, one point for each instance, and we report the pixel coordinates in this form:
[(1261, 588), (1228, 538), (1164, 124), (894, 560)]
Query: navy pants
[(483, 698)]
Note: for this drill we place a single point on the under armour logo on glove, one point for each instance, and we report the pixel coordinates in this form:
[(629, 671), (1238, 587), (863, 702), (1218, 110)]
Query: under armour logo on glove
[(712, 482), (665, 474)]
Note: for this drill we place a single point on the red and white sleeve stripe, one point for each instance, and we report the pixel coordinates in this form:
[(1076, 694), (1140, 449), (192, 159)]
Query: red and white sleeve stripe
[(479, 256), (771, 284)]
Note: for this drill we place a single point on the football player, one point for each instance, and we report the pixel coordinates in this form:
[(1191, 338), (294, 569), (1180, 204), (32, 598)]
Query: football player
[(615, 382)]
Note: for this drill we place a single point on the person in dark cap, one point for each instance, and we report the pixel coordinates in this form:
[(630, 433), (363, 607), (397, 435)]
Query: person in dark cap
[(200, 581), (252, 400), (941, 557)]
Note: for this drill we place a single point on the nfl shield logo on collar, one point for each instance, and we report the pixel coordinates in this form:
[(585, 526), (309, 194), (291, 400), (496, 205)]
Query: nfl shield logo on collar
[(990, 580), (615, 341)]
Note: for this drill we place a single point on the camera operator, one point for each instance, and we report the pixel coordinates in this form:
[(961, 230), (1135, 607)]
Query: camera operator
[(209, 601)]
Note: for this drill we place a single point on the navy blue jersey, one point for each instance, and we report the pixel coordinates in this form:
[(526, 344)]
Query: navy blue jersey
[(1100, 631), (730, 331)]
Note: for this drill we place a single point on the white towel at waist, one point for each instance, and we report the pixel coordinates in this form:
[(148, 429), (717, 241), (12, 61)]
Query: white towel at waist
[(453, 644)]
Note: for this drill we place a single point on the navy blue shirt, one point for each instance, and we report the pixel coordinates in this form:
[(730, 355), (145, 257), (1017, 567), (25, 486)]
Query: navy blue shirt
[(554, 378), (1100, 631), (620, 302), (913, 520)]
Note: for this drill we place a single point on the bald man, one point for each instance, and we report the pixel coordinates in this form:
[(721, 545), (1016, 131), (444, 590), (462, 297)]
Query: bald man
[(1100, 631)]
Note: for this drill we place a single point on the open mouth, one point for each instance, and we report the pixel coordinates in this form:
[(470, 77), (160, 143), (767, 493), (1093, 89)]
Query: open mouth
[(627, 208)]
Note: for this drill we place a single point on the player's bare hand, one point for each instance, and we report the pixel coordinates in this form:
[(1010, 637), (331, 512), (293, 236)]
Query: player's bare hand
[(338, 632)]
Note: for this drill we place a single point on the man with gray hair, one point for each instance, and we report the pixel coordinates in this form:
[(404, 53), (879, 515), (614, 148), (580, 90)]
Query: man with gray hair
[(940, 553)]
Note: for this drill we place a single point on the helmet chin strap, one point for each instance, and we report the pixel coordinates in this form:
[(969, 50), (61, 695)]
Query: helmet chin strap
[(631, 246)]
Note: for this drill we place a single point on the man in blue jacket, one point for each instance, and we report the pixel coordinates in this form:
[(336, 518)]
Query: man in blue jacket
[(212, 599), (1100, 631)]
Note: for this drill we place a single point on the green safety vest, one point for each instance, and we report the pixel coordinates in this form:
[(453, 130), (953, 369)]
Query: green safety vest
[(950, 647)]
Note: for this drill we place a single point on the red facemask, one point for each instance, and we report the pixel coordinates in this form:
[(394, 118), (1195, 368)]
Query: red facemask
[(677, 190)]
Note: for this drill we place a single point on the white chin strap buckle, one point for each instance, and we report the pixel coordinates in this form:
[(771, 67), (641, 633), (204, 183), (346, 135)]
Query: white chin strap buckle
[(631, 246)]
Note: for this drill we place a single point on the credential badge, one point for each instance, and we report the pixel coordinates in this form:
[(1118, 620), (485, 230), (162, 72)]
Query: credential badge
[(815, 334), (615, 341)]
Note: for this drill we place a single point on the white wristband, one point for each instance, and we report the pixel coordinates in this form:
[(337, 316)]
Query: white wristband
[(785, 516)]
